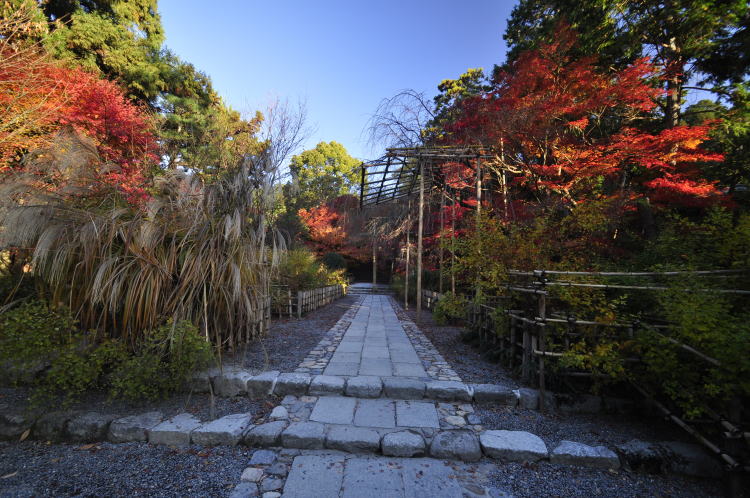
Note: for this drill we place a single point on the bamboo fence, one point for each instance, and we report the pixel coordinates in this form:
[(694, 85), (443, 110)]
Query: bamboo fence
[(524, 343), (288, 303)]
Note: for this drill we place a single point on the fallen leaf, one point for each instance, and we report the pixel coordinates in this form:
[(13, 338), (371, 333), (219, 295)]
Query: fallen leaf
[(8, 476), (25, 434), (87, 446)]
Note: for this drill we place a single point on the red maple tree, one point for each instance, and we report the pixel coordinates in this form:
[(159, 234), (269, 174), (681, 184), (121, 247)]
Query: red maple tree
[(571, 131), (41, 97)]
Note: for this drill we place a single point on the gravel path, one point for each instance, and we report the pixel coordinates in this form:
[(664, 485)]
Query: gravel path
[(131, 469), (544, 479), (465, 360), (290, 339)]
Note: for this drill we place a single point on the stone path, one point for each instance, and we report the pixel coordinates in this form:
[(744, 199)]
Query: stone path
[(376, 345), (385, 407), (358, 477)]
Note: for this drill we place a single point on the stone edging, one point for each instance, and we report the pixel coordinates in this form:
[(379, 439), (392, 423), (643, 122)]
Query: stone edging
[(432, 360), (235, 382), (454, 444), (317, 360)]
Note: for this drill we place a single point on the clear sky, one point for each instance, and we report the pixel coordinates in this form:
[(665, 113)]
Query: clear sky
[(342, 57)]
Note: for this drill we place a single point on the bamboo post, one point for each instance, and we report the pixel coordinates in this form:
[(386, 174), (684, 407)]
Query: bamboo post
[(300, 298), (503, 180), (479, 212), (542, 311), (408, 251), (374, 263), (526, 358), (453, 247), (440, 249), (419, 239)]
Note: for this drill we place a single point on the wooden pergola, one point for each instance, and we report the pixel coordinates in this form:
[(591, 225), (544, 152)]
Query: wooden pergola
[(405, 173)]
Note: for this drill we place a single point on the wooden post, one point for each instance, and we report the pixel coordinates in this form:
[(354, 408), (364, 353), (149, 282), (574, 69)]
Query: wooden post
[(300, 297), (440, 249), (479, 210), (362, 187), (374, 263), (408, 251), (503, 180), (526, 358), (419, 238), (542, 310), (453, 247)]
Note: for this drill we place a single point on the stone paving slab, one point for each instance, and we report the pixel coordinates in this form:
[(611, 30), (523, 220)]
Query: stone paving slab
[(416, 414), (315, 476), (334, 410), (375, 413), (363, 477)]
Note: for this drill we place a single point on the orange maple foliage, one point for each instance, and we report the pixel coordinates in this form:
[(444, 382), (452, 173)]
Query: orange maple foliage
[(40, 97), (571, 130)]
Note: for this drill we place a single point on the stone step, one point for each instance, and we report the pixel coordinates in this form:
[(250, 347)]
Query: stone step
[(456, 444), (236, 382)]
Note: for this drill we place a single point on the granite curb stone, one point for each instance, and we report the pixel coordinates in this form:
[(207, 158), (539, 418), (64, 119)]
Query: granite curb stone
[(352, 439), (456, 444), (304, 435), (572, 453), (174, 431), (515, 446), (292, 383), (264, 435), (89, 427), (226, 430), (322, 385), (364, 387), (262, 384), (134, 427), (403, 444)]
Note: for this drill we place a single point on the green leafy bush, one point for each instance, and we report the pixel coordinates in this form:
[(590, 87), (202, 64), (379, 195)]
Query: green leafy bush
[(69, 362), (300, 270), (334, 261), (450, 309), (32, 333), (163, 363)]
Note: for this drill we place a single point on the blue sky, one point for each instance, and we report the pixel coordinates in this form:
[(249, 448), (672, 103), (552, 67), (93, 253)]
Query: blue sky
[(342, 57)]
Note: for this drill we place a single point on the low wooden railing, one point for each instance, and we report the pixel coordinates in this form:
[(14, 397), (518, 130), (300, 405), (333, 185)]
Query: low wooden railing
[(523, 330), (288, 303)]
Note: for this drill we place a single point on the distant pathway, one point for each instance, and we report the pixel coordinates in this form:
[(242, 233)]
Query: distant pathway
[(376, 344)]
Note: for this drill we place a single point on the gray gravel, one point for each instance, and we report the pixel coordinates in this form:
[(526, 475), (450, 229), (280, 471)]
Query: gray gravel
[(290, 339), (592, 429), (544, 479), (131, 469), (465, 360), (196, 404)]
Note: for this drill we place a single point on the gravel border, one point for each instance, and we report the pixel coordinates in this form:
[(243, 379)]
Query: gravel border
[(545, 479), (465, 360), (591, 429), (129, 469), (289, 340), (197, 404)]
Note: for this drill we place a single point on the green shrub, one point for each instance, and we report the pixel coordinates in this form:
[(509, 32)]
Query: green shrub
[(450, 309), (300, 270), (32, 333), (74, 362), (163, 363), (334, 261)]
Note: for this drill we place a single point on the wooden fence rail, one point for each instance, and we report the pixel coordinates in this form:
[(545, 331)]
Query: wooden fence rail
[(288, 303), (527, 339)]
